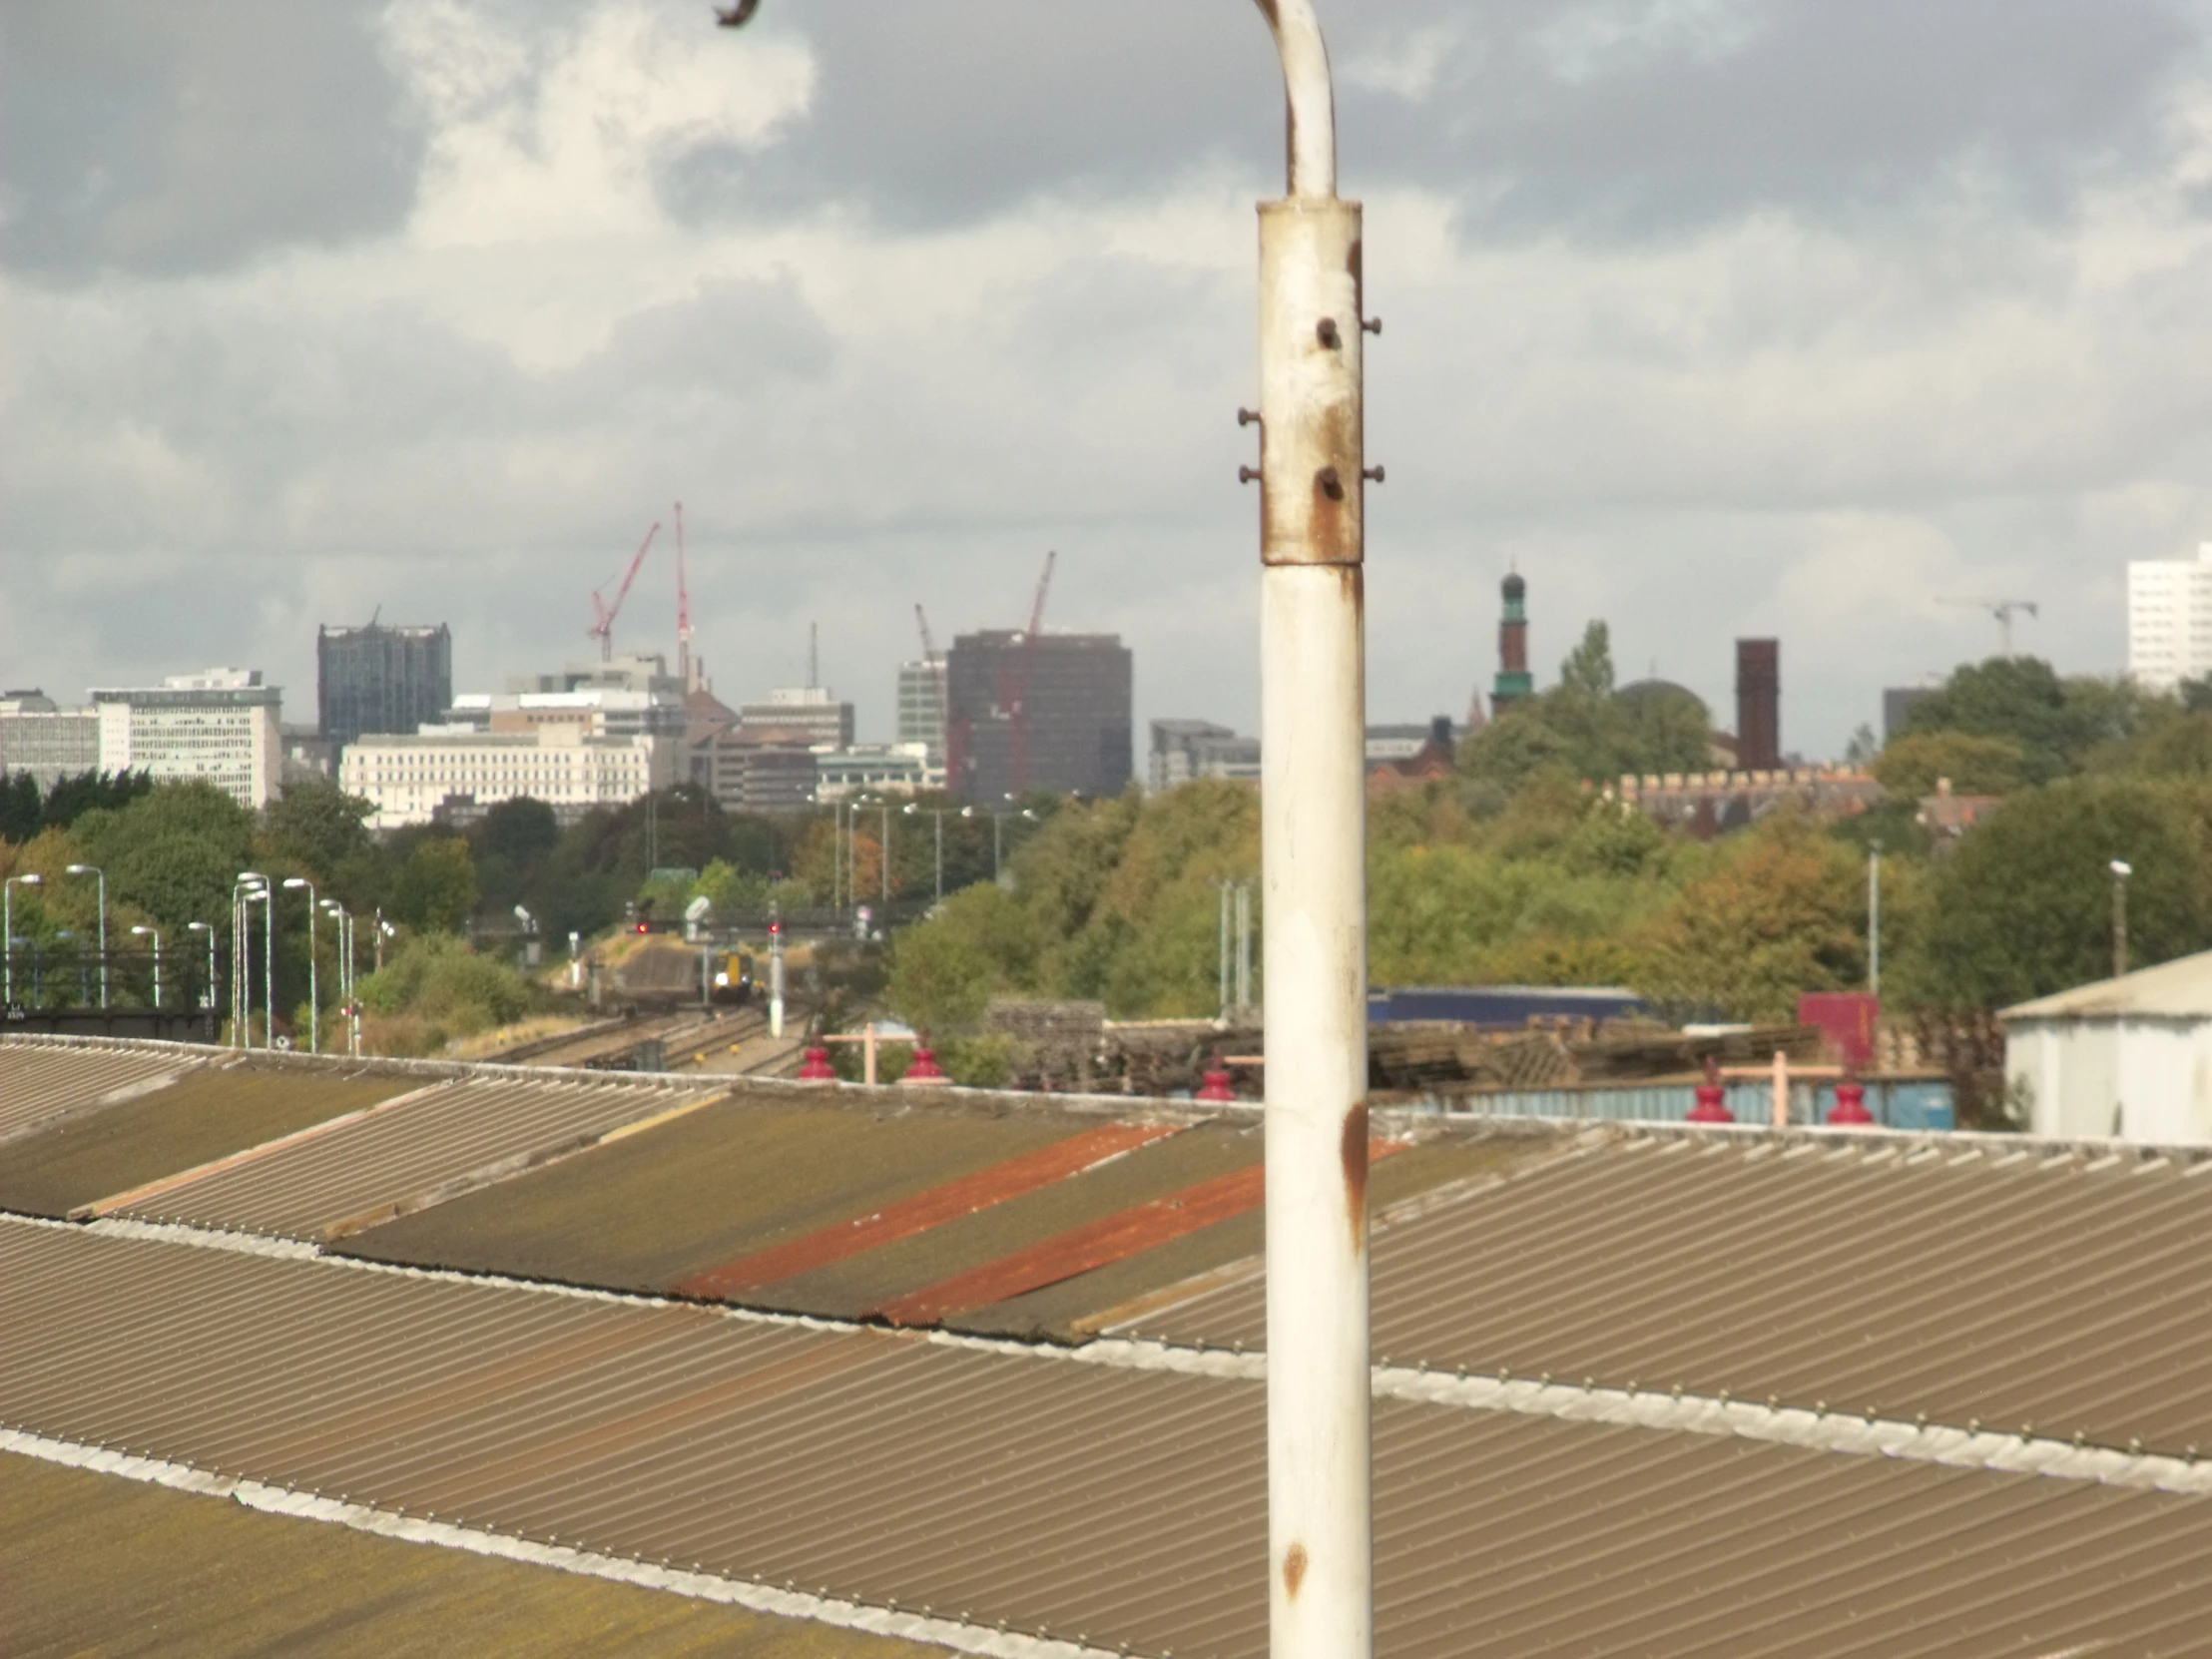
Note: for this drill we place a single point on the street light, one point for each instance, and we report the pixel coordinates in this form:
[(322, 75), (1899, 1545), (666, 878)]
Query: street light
[(2121, 870), (7, 929), (315, 986), (938, 812), (1873, 917), (345, 919), (998, 858), (1313, 477), (155, 936), (95, 869), (206, 997), (245, 887)]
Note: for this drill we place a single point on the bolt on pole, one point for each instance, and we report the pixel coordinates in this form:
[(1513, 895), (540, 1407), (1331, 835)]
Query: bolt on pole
[(1313, 854)]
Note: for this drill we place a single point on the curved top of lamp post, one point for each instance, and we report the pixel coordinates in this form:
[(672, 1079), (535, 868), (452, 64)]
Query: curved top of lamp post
[(1309, 136), (34, 879), (81, 869), (198, 927)]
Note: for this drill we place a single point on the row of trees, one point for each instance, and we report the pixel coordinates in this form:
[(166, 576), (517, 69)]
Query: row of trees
[(1117, 902)]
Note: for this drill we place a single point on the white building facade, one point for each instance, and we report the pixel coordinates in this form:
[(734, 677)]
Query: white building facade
[(220, 727), (2127, 1058), (408, 779), (900, 769), (2169, 619), (48, 742)]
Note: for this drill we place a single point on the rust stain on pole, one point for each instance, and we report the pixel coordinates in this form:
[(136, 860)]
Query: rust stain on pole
[(1294, 1569), (1353, 1151)]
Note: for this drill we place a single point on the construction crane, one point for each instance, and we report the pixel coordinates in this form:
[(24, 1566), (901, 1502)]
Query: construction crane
[(2002, 610), (683, 608), (603, 614), (937, 672), (1018, 703)]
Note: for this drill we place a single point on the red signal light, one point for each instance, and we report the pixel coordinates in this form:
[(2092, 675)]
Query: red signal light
[(643, 927)]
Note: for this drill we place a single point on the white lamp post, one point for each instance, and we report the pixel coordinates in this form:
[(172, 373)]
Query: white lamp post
[(206, 997), (2121, 870), (154, 935), (1312, 477), (96, 870), (314, 985), (7, 929)]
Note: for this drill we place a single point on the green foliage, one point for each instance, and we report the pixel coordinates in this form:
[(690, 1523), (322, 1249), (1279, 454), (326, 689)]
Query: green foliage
[(435, 888), (437, 979), (1585, 727), (942, 980), (172, 852), (20, 808), (2055, 722), (1783, 915), (1976, 765), (2023, 907), (71, 797), (319, 827), (2180, 748)]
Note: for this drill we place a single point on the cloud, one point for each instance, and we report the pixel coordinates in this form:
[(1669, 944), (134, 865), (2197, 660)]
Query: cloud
[(189, 138), (1717, 317)]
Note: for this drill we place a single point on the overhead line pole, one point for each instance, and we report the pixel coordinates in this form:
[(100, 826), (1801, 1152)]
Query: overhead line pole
[(1312, 807), (1312, 854)]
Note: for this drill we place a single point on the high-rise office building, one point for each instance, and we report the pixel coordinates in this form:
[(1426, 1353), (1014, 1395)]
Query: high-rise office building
[(1040, 711), (808, 714), (2169, 619), (46, 742), (379, 679), (921, 701), (221, 726), (1186, 750)]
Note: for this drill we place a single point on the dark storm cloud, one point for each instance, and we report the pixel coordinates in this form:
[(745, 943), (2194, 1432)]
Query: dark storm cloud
[(179, 137), (1603, 116)]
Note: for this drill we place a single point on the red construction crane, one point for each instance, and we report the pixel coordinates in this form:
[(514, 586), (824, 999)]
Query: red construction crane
[(1018, 703), (683, 608), (602, 628)]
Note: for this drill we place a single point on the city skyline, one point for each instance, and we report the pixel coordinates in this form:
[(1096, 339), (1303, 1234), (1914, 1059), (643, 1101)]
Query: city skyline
[(478, 292)]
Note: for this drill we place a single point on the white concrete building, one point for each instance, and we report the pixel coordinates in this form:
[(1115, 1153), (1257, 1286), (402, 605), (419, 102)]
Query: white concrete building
[(221, 726), (2130, 1058), (874, 769), (407, 778), (1184, 749), (922, 705), (2169, 619), (46, 741)]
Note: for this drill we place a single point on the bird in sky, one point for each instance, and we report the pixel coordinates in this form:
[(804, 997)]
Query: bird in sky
[(734, 17)]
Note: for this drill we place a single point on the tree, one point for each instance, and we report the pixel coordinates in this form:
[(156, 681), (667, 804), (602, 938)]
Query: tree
[(940, 979), (1588, 668), (436, 888), (319, 827), (2056, 723), (1976, 765), (20, 808), (2023, 909), (70, 797), (174, 852), (1782, 916)]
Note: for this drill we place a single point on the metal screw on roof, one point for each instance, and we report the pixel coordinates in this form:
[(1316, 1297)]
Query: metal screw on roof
[(1774, 1402), (1820, 1407), (2134, 1447), (2080, 1435), (1974, 1425)]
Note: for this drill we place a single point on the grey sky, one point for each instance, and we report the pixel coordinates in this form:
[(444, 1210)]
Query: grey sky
[(1716, 317)]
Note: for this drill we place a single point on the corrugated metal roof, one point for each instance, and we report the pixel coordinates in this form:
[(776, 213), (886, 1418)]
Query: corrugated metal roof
[(401, 1154), (1982, 1284), (40, 1082), (2179, 990), (858, 1205), (212, 1110), (96, 1563), (1120, 1506)]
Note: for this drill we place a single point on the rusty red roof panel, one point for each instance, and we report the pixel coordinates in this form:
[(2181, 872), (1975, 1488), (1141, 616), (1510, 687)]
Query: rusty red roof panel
[(939, 1205), (1095, 1245)]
